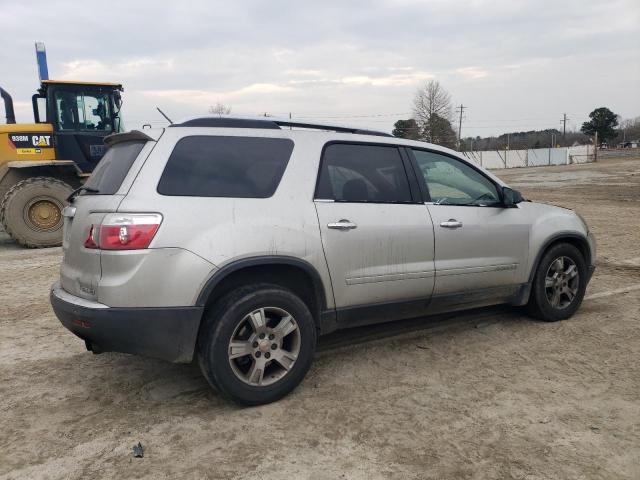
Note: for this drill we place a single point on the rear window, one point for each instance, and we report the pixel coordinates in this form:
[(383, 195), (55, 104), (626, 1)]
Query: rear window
[(113, 167), (241, 167)]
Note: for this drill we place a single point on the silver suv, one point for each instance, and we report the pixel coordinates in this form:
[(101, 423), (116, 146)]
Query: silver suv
[(240, 241)]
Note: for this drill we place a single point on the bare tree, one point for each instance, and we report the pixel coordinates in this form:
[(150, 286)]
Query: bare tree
[(629, 130), (433, 112), (219, 109)]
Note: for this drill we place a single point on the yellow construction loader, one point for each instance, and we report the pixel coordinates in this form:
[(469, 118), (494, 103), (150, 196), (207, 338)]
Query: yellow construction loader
[(41, 163)]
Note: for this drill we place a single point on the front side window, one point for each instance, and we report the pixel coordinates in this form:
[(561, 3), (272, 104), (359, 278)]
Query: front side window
[(363, 173), (453, 182), (239, 167), (83, 111)]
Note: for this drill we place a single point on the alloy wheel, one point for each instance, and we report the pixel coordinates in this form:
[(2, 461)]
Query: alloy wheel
[(264, 346), (561, 282)]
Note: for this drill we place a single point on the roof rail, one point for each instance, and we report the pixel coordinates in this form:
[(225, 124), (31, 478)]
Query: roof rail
[(272, 124), (333, 128)]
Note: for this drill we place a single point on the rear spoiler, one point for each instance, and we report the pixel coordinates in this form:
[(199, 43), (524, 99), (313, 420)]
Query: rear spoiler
[(133, 135)]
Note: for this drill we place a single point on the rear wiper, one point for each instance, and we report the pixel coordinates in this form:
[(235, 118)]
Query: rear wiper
[(75, 193)]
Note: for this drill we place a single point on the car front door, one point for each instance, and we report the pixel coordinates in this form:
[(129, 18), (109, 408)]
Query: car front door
[(377, 234), (481, 247)]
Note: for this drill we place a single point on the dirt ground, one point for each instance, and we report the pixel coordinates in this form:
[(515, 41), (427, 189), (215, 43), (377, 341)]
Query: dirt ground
[(488, 394)]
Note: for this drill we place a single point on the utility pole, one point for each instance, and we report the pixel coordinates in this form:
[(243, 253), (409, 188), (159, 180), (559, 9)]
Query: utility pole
[(564, 127), (461, 107)]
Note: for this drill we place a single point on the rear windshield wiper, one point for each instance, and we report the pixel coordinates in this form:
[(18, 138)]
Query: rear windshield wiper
[(78, 190)]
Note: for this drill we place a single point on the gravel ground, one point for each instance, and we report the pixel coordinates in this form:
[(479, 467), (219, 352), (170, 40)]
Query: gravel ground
[(486, 394)]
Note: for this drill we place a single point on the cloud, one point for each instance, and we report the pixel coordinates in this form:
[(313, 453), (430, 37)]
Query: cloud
[(506, 59), (302, 72), (203, 96), (77, 69), (97, 69), (472, 73), (398, 80)]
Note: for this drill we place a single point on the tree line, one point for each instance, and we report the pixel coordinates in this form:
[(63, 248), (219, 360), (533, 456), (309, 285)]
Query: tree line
[(433, 122)]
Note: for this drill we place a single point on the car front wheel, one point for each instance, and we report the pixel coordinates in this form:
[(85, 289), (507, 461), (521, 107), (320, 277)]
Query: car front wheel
[(559, 284)]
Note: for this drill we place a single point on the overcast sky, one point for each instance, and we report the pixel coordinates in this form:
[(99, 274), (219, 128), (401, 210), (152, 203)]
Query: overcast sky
[(516, 65)]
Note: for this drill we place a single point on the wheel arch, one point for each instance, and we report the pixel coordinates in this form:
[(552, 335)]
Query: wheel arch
[(577, 240), (293, 273)]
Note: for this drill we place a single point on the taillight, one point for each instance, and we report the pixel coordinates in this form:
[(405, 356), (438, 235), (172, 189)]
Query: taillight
[(124, 231), (90, 242)]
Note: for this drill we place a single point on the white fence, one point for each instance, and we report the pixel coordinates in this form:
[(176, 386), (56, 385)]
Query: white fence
[(532, 158)]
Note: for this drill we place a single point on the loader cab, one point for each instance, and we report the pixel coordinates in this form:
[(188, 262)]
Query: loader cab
[(81, 114)]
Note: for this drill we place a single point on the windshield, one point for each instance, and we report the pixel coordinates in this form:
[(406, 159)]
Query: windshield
[(83, 110)]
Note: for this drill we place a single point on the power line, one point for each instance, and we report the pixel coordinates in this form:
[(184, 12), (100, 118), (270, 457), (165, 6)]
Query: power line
[(492, 122), (401, 114)]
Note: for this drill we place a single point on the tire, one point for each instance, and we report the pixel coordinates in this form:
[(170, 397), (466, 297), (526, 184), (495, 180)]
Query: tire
[(31, 211), (554, 296), (241, 378)]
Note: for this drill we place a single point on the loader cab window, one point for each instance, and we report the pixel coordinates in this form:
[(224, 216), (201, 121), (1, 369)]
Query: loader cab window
[(83, 111), (39, 108)]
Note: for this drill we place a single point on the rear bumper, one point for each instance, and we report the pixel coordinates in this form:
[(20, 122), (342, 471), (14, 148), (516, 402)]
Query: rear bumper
[(166, 333)]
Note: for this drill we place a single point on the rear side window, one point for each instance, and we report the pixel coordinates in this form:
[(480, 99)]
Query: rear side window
[(363, 173), (113, 167), (240, 167)]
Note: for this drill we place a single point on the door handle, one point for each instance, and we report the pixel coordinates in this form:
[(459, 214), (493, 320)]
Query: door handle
[(342, 225), (451, 223)]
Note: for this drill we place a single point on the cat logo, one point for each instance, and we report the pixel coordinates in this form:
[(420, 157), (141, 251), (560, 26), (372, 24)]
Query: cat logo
[(41, 140), (30, 140)]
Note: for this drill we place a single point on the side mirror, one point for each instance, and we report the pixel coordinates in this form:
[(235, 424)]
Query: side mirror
[(510, 197)]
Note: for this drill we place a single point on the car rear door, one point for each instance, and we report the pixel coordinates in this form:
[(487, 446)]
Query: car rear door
[(481, 247), (377, 235)]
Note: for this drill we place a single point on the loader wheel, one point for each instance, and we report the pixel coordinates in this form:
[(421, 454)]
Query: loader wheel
[(31, 212)]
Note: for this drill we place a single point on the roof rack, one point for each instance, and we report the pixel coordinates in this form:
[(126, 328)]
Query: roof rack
[(271, 124)]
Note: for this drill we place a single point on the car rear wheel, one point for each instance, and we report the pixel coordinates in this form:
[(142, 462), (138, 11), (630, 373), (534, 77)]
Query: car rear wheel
[(559, 284), (257, 343)]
